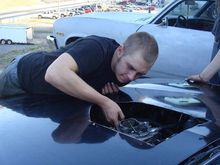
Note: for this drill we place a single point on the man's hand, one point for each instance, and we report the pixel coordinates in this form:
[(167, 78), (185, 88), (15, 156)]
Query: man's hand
[(112, 112), (110, 88), (196, 78)]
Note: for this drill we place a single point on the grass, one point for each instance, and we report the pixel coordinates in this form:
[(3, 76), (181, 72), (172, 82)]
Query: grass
[(32, 21), (7, 57), (35, 22)]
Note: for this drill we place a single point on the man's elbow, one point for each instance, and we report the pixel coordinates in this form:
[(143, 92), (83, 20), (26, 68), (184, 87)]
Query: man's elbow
[(49, 75)]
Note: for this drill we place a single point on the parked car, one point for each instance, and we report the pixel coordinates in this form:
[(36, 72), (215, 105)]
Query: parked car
[(88, 10), (48, 14), (53, 14), (181, 29), (79, 11), (166, 122)]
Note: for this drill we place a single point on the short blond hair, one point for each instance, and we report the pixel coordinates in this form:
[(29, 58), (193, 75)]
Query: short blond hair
[(143, 42)]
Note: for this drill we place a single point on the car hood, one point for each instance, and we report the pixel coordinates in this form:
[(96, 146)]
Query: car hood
[(178, 95), (61, 130), (130, 17)]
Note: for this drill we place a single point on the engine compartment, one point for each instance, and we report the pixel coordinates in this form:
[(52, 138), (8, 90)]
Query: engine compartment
[(147, 123)]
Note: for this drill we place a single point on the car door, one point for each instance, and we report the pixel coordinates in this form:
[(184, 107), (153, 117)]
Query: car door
[(182, 51), (185, 48)]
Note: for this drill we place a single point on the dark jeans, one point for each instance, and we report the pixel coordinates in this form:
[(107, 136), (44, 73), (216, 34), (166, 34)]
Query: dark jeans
[(9, 84)]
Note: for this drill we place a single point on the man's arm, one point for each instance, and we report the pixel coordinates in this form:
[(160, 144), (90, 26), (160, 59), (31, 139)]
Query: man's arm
[(62, 74), (212, 68), (209, 70)]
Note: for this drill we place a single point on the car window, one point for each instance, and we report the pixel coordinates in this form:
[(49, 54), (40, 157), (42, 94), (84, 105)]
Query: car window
[(210, 13), (187, 10), (199, 15)]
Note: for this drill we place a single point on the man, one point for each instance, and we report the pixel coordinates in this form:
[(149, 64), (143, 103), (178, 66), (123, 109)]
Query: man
[(211, 72), (83, 69)]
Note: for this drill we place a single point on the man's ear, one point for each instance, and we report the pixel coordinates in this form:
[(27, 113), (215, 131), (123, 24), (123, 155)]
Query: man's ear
[(120, 51)]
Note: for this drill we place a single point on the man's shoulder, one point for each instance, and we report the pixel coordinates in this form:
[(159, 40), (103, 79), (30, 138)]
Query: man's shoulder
[(98, 37), (102, 40)]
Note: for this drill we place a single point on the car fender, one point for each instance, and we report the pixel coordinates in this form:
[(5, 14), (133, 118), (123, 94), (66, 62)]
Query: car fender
[(83, 26), (189, 58)]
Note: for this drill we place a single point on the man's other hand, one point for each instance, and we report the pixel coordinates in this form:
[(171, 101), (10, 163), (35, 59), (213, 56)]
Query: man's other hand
[(110, 88)]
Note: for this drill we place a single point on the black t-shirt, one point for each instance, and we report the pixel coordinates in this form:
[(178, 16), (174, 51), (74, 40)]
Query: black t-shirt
[(92, 54)]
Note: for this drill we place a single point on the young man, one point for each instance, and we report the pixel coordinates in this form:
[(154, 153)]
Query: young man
[(83, 69)]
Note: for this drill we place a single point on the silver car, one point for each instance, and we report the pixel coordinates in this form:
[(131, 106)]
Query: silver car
[(182, 29)]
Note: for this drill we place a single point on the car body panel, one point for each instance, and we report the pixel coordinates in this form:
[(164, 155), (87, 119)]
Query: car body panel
[(179, 48), (79, 31), (178, 54), (193, 47), (87, 24), (48, 130), (119, 16)]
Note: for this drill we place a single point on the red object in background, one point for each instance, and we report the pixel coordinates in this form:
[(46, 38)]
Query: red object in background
[(88, 10)]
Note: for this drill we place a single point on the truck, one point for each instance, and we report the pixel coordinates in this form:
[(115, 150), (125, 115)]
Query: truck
[(10, 34)]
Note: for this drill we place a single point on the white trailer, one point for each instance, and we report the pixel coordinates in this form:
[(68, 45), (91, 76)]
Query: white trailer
[(10, 34)]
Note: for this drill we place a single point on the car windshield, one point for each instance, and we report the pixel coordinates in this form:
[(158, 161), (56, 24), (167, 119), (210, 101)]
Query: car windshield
[(199, 8)]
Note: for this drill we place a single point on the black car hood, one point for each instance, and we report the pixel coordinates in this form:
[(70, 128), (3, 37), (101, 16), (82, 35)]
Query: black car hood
[(59, 130), (199, 100)]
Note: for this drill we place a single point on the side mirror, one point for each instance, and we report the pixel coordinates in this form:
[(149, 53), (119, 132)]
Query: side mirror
[(190, 2)]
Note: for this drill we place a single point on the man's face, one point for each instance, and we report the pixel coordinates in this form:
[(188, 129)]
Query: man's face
[(130, 67)]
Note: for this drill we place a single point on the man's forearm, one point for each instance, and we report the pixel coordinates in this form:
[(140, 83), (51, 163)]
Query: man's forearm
[(70, 83), (62, 74), (212, 68)]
